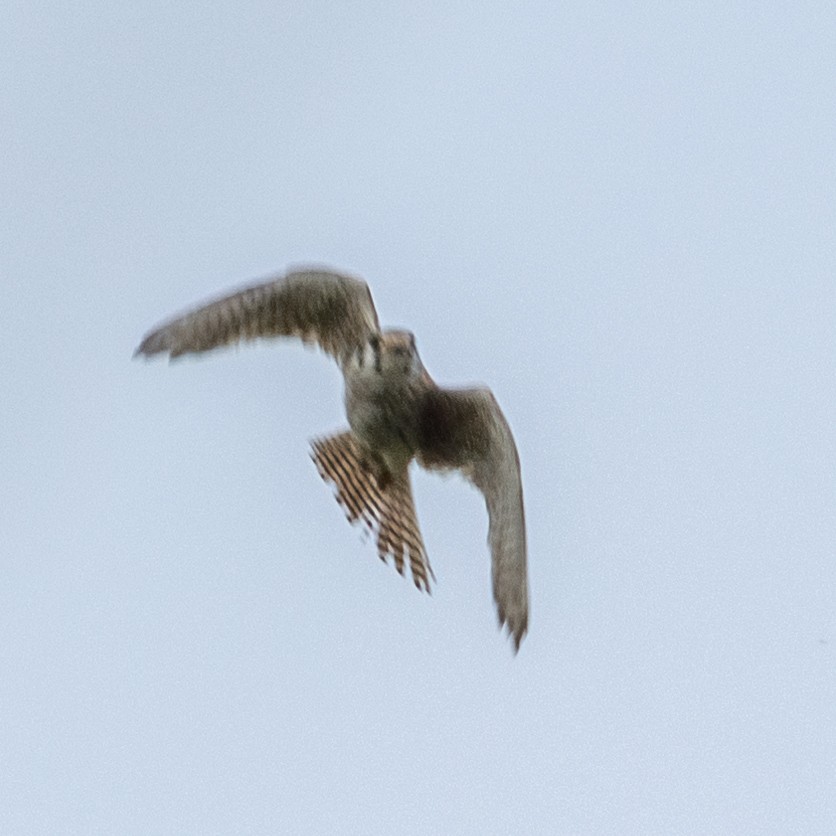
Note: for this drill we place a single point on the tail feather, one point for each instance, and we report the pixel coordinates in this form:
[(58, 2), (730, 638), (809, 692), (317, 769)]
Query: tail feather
[(384, 506)]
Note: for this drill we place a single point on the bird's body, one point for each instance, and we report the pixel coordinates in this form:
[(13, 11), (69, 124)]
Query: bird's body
[(383, 383), (396, 413)]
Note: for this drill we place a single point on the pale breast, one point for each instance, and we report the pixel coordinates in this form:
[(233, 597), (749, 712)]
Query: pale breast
[(381, 413)]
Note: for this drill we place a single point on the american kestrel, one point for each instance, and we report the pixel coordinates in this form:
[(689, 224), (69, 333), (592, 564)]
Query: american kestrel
[(396, 413)]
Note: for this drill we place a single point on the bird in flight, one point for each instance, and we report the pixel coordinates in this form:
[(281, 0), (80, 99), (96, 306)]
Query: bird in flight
[(396, 413)]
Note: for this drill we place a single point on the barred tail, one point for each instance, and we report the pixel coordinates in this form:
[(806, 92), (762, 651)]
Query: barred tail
[(383, 505)]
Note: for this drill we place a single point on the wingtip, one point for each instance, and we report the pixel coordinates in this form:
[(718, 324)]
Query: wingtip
[(516, 640), (422, 584), (145, 349), (515, 632), (153, 346), (160, 341)]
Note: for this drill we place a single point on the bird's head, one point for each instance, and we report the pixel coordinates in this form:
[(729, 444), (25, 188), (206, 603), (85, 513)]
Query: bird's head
[(393, 354)]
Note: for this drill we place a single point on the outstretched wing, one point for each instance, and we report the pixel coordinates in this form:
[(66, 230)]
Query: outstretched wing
[(466, 430), (319, 306)]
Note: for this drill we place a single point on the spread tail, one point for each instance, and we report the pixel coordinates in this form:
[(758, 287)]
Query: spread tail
[(381, 501)]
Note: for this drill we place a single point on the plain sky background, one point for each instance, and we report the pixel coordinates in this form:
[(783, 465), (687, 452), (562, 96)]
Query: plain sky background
[(620, 217)]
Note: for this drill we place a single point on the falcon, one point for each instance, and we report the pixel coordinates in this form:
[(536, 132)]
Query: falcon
[(396, 413)]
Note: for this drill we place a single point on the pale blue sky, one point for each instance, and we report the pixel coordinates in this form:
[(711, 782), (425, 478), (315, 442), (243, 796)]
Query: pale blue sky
[(621, 218)]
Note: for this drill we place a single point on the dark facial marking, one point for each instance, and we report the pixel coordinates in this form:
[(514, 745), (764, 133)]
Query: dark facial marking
[(374, 342)]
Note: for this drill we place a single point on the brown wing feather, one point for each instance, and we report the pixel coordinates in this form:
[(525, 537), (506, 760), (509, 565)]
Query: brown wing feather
[(466, 430), (385, 510), (333, 310)]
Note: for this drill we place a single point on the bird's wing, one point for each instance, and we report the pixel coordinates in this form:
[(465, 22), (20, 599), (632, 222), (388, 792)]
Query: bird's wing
[(466, 430), (330, 309)]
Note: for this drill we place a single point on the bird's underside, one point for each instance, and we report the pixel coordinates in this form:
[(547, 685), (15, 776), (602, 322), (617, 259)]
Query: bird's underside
[(396, 413)]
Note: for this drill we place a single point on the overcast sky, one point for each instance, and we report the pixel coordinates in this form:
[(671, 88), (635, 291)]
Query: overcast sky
[(621, 218)]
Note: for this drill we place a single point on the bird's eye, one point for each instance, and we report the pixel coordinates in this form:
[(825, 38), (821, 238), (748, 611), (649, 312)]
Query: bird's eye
[(374, 342)]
